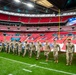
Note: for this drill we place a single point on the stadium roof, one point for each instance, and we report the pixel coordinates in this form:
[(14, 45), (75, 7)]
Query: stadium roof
[(37, 6)]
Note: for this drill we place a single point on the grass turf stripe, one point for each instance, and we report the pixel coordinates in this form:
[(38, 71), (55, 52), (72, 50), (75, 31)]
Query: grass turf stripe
[(39, 66)]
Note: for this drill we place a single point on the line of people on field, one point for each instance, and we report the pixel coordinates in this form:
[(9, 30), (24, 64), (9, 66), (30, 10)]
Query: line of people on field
[(16, 48)]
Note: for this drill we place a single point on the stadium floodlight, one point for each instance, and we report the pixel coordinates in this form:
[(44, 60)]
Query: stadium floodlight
[(17, 1), (30, 5)]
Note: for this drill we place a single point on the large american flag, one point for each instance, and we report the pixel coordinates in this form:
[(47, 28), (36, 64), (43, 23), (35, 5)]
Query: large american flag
[(71, 21)]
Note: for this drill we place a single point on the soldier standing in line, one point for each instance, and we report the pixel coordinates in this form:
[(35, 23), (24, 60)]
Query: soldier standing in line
[(15, 45), (0, 46), (7, 46), (19, 48), (69, 52), (47, 50), (3, 46), (32, 49), (10, 46), (56, 48), (5, 43), (23, 47), (26, 48), (38, 48)]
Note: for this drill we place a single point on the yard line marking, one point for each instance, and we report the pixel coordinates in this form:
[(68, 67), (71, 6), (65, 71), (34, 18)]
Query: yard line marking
[(43, 63), (15, 61), (33, 65), (27, 70), (55, 70), (50, 69)]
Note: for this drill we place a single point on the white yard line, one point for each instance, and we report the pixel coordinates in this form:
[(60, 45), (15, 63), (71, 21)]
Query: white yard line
[(27, 70), (43, 63), (10, 74), (34, 65), (56, 70)]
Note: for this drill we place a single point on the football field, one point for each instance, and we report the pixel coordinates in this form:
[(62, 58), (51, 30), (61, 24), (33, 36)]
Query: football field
[(17, 65)]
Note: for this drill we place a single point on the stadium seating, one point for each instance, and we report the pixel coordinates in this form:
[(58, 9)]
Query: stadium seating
[(66, 18), (24, 19), (32, 20), (14, 18), (33, 34), (43, 28), (4, 17), (44, 20), (54, 19)]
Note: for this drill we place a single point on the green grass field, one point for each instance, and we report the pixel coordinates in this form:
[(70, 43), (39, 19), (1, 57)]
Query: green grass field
[(17, 65)]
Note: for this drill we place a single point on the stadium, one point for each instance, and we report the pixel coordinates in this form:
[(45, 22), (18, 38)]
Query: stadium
[(37, 37)]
